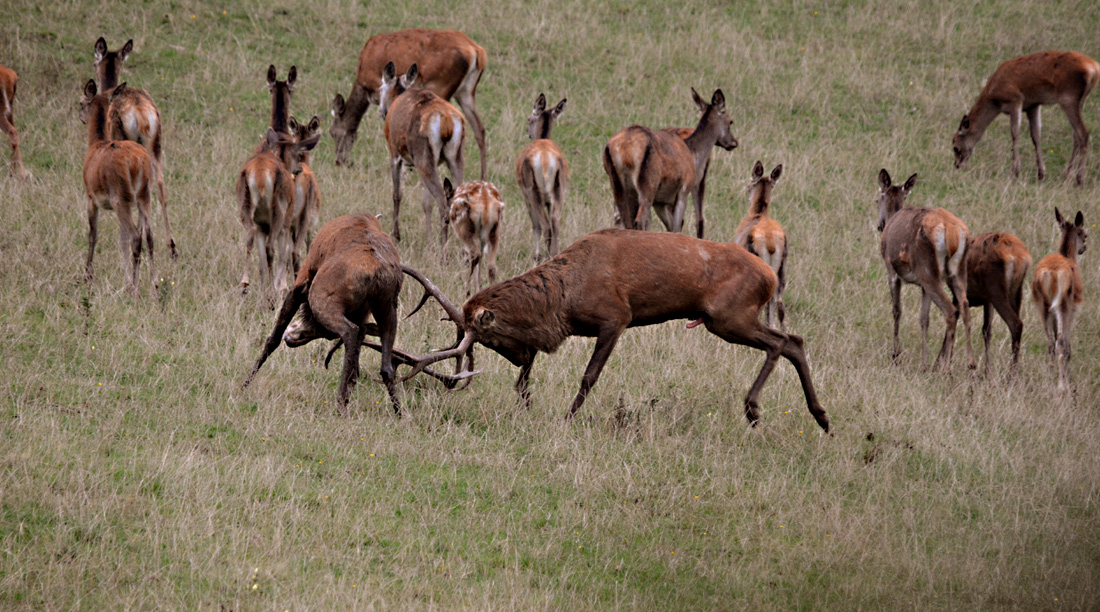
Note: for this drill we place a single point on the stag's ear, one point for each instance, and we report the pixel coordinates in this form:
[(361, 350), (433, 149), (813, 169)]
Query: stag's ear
[(884, 181), (910, 183), (699, 101), (314, 124), (338, 106), (718, 100), (559, 109), (757, 170), (100, 49), (410, 76), (1080, 220), (1058, 216), (484, 318), (540, 103), (777, 172), (389, 72), (90, 89), (291, 78), (271, 76), (448, 189), (964, 125), (125, 51)]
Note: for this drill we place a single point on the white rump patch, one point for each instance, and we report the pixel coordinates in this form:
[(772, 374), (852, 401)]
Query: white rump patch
[(957, 258)]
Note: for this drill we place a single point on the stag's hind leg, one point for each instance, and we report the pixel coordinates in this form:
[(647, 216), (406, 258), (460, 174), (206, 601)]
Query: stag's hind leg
[(93, 234), (385, 314), (1035, 123)]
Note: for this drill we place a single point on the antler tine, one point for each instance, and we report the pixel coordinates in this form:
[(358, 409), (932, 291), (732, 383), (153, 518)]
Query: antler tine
[(422, 362), (431, 290), (448, 380)]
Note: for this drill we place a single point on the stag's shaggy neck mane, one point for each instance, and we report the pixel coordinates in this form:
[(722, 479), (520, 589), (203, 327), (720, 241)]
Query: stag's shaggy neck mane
[(535, 302)]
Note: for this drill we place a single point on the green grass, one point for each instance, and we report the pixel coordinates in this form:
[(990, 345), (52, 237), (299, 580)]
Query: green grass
[(135, 474)]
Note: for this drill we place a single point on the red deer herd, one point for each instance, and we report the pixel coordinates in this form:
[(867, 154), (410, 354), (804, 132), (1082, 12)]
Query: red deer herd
[(605, 282)]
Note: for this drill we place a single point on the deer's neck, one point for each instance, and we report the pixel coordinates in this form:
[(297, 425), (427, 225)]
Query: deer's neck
[(981, 115), (280, 113), (355, 106), (702, 140), (108, 77), (1068, 246), (758, 205), (542, 130), (97, 121)]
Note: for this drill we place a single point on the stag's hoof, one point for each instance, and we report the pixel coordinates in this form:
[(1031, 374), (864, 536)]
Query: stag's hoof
[(172, 249)]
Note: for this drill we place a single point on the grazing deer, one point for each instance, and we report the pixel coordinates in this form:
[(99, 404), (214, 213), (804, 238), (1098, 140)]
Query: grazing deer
[(543, 174), (423, 131), (763, 236), (925, 247), (8, 82), (614, 279), (281, 92), (265, 195), (1020, 86), (116, 177), (307, 194), (133, 116), (1058, 291), (450, 67), (476, 213), (996, 265), (658, 169)]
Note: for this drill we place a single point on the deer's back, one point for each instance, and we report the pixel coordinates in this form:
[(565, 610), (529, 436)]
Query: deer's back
[(1057, 276), (133, 115), (660, 157), (443, 58), (995, 260), (354, 246), (547, 164), (116, 165), (1039, 78), (420, 117), (8, 81)]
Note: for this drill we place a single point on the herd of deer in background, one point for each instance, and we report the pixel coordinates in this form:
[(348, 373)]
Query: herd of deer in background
[(605, 282)]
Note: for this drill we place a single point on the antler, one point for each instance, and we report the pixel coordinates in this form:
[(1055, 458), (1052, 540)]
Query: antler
[(419, 363), (403, 358), (430, 290)]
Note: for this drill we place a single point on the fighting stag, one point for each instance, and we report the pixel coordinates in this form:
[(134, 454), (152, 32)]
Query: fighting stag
[(450, 67), (614, 279), (763, 236), (476, 213), (423, 131), (924, 247), (1058, 291), (655, 170), (8, 82), (116, 177), (133, 116), (1021, 86), (543, 174), (352, 272), (996, 265)]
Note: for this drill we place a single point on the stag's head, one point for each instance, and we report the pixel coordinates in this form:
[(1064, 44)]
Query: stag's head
[(963, 142), (891, 197), (393, 86), (541, 120), (714, 113), (108, 64), (760, 186), (1073, 233)]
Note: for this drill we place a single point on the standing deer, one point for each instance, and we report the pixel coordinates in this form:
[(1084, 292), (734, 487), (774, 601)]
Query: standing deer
[(924, 247), (763, 236), (307, 194), (116, 177), (423, 131), (614, 279), (133, 116), (658, 169), (996, 265), (476, 213), (450, 67), (1022, 85), (1058, 291), (543, 174), (265, 196), (8, 82)]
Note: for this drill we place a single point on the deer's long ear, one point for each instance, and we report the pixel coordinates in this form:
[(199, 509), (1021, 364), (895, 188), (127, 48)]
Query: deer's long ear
[(389, 71), (271, 76), (559, 109), (718, 100), (884, 181), (90, 89), (410, 76), (910, 183), (125, 51), (293, 125), (338, 105), (540, 103), (777, 172), (314, 124), (964, 125), (1058, 216), (700, 103), (484, 318), (100, 49), (291, 78), (1080, 220), (757, 170)]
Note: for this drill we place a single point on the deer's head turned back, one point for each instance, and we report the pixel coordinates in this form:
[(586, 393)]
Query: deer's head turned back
[(891, 197), (542, 120), (715, 117), (1073, 234), (393, 86), (108, 64)]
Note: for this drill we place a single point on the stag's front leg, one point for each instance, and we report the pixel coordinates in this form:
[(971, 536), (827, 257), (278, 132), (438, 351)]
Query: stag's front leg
[(605, 343), (1035, 123), (523, 382)]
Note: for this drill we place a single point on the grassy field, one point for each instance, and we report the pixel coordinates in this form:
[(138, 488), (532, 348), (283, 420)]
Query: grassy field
[(135, 474)]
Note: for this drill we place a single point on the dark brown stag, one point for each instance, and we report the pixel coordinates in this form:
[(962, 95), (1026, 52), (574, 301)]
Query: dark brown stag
[(614, 279)]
